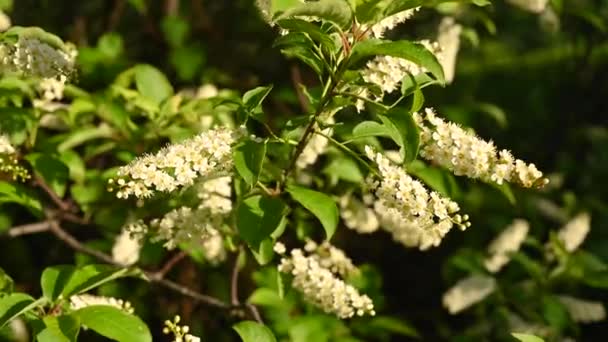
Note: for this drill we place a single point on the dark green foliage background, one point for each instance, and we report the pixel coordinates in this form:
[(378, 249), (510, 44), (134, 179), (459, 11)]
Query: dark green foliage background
[(551, 87)]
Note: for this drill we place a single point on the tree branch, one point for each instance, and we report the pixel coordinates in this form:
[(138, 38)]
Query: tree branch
[(54, 197), (27, 229), (234, 282)]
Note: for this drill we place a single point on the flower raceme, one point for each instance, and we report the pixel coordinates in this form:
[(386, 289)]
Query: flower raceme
[(207, 155), (34, 57), (465, 154), (320, 286), (508, 242), (412, 214)]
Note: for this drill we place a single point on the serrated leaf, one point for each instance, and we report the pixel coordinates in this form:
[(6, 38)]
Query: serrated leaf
[(527, 337), (114, 323), (248, 160), (414, 52), (253, 98), (152, 83), (257, 217), (59, 329), (320, 204), (54, 279), (335, 11), (250, 331), (265, 253), (404, 131)]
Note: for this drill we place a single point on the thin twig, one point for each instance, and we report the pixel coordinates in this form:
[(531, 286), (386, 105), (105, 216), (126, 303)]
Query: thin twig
[(168, 266), (27, 229), (254, 313), (76, 245), (234, 282), (54, 197), (211, 301)]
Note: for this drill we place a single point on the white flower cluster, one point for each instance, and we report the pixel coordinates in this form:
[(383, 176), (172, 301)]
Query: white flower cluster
[(388, 23), (316, 146), (387, 71), (85, 300), (126, 248), (449, 41), (468, 291), (358, 216), (180, 332), (519, 325), (5, 145), (5, 21), (185, 225), (323, 288), (508, 242), (573, 234), (464, 153), (331, 258), (36, 58), (51, 89), (412, 214), (583, 311), (534, 6), (207, 155)]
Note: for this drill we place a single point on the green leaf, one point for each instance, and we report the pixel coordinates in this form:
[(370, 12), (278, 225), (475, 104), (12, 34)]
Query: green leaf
[(14, 305), (265, 253), (54, 279), (367, 129), (555, 313), (110, 45), (140, 5), (52, 170), (59, 329), (404, 131), (7, 284), (344, 168), (175, 30), (253, 98), (248, 160), (257, 217), (75, 165), (152, 83), (335, 11), (85, 134), (527, 337), (414, 52), (266, 297), (312, 30), (114, 323), (300, 46), (321, 205), (250, 331), (19, 194), (67, 280), (393, 325)]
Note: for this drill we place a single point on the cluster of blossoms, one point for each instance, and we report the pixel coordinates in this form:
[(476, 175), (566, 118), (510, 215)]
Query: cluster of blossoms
[(180, 332), (316, 146), (51, 89), (388, 23), (467, 292), (387, 72), (331, 258), (85, 300), (207, 155), (573, 233), (406, 209), (126, 248), (449, 41), (323, 288), (464, 153), (358, 216), (34, 57), (508, 242), (8, 160), (583, 311), (534, 6)]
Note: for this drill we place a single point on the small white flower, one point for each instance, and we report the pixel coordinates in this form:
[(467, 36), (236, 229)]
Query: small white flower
[(279, 248), (5, 21), (207, 155), (206, 91), (508, 242), (449, 41), (84, 300), (468, 291), (465, 154), (322, 288), (406, 209), (126, 248), (5, 145), (583, 311), (573, 234), (391, 22), (316, 146), (358, 216), (534, 6)]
